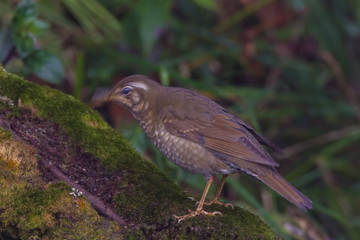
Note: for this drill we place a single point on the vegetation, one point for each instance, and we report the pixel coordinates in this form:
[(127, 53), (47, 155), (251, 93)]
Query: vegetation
[(289, 68)]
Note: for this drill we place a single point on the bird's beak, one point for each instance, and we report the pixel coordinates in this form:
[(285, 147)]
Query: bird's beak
[(111, 95)]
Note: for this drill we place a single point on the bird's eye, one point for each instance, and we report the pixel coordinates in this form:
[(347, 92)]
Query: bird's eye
[(126, 91)]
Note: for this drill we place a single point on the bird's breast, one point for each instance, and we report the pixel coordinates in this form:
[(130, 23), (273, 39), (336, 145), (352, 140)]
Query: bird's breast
[(184, 153)]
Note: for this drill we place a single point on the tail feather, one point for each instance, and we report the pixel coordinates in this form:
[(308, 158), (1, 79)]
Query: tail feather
[(275, 181)]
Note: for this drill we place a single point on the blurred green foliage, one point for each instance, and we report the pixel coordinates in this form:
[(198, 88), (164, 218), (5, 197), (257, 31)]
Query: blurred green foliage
[(19, 38), (289, 68)]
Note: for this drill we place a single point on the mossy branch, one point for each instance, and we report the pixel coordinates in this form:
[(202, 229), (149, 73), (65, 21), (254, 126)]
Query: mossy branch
[(62, 142), (95, 202)]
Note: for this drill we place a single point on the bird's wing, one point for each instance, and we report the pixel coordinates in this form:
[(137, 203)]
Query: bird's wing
[(181, 116), (211, 126)]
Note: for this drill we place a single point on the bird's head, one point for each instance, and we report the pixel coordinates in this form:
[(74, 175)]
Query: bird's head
[(134, 92)]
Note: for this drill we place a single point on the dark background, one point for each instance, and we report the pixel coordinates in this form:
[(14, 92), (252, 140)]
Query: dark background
[(288, 68)]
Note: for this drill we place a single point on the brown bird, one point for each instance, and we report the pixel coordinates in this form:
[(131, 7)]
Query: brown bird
[(202, 137)]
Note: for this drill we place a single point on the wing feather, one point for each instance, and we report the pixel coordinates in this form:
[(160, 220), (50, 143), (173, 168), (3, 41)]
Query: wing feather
[(211, 126)]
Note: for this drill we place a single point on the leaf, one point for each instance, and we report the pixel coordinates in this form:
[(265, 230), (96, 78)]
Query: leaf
[(25, 14), (329, 33), (96, 20), (38, 26), (164, 75), (24, 44), (46, 66), (151, 16), (23, 22)]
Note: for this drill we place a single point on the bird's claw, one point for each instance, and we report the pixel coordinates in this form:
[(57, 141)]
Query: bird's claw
[(195, 213), (216, 201)]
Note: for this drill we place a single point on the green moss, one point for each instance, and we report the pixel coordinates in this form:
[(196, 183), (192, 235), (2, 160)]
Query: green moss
[(146, 202), (34, 216), (51, 213)]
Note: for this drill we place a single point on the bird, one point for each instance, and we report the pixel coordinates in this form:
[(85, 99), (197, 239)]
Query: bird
[(202, 137)]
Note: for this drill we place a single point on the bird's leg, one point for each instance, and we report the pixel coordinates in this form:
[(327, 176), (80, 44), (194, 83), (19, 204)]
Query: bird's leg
[(217, 195), (199, 209)]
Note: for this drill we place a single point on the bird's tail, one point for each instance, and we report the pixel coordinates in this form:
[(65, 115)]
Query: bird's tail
[(275, 181)]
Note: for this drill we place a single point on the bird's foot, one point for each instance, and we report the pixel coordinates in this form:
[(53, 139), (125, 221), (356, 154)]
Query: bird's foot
[(216, 201), (195, 213)]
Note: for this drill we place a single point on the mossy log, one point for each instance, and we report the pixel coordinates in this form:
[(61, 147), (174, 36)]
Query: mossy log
[(66, 174)]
